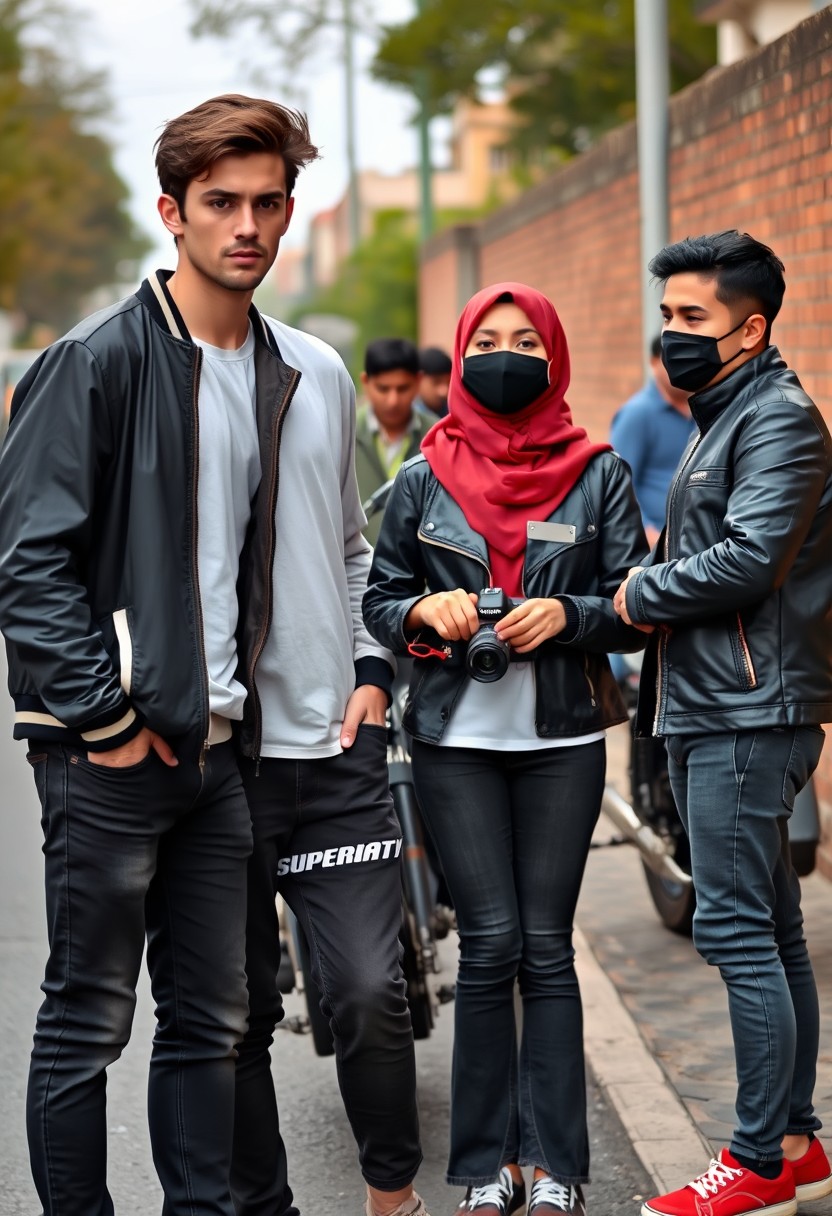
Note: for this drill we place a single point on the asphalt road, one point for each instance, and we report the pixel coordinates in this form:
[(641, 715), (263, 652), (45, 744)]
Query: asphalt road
[(321, 1150)]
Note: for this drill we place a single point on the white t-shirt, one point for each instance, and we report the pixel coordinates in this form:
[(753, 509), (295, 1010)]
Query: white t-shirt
[(229, 474), (500, 716)]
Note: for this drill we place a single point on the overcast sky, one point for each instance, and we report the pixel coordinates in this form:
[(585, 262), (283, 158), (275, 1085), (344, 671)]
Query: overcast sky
[(157, 71)]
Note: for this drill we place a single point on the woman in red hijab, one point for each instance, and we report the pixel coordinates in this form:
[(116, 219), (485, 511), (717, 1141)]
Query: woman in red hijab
[(508, 705)]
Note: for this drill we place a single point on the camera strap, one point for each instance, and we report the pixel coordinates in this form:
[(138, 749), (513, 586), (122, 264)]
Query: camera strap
[(421, 650)]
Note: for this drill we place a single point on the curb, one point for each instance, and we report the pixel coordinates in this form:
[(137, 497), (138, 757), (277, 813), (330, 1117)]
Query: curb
[(664, 1136)]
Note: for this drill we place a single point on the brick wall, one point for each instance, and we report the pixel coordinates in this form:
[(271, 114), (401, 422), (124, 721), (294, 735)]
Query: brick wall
[(750, 149)]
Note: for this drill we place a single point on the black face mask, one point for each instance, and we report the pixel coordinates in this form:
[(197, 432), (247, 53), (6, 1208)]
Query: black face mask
[(505, 382), (692, 360)]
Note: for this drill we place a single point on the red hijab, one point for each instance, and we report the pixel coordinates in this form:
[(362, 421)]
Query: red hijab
[(504, 470)]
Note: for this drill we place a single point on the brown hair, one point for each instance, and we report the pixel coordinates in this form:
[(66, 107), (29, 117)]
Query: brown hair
[(222, 126)]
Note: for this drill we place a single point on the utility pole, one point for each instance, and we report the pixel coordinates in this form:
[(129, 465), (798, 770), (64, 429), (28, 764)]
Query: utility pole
[(425, 174), (353, 199), (653, 127)]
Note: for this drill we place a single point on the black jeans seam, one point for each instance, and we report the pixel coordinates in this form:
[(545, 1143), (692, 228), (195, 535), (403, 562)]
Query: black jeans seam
[(180, 1030), (67, 977)]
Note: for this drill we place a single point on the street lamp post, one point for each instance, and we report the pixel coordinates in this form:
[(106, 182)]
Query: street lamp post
[(353, 200), (653, 123), (425, 188)]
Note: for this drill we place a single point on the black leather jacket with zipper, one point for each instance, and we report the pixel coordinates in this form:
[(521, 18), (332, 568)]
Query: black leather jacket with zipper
[(741, 579), (579, 555), (99, 593)]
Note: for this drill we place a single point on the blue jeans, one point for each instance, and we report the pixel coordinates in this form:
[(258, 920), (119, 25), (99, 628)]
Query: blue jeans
[(735, 793), (512, 830), (141, 852)]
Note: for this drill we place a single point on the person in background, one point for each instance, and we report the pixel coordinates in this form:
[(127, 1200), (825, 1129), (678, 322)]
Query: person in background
[(388, 429), (509, 494), (435, 365), (737, 678), (651, 431)]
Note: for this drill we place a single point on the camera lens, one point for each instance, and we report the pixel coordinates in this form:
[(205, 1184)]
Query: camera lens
[(487, 658)]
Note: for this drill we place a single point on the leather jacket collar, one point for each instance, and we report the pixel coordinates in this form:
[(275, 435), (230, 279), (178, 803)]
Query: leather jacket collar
[(707, 405)]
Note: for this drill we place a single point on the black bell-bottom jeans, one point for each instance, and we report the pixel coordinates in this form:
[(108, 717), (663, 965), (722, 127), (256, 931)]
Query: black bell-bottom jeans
[(513, 830)]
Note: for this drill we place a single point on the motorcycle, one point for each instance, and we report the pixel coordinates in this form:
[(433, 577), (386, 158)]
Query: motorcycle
[(652, 822)]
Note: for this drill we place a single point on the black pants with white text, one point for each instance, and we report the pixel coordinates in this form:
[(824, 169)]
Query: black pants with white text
[(326, 837)]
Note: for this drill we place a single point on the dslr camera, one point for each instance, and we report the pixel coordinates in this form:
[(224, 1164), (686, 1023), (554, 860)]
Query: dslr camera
[(487, 658)]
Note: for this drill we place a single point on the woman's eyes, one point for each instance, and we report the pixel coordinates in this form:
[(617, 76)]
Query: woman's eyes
[(523, 344)]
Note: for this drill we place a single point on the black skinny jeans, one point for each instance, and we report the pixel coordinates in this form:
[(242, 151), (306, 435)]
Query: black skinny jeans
[(513, 830), (141, 851), (326, 837)]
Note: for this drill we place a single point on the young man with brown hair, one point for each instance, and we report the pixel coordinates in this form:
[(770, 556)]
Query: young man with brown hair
[(134, 455)]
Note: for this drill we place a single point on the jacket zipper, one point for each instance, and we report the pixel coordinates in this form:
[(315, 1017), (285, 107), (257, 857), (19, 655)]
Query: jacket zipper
[(593, 700), (746, 654), (455, 549), (195, 561), (277, 427), (661, 654)]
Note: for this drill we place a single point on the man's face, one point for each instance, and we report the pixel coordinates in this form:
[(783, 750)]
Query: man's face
[(434, 391), (391, 396), (689, 305), (234, 219)]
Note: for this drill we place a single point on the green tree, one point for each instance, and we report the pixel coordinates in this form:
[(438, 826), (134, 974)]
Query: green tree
[(64, 225), (376, 286), (568, 66)]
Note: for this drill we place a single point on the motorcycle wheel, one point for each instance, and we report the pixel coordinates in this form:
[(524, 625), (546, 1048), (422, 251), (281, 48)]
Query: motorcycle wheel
[(674, 903), (318, 1024)]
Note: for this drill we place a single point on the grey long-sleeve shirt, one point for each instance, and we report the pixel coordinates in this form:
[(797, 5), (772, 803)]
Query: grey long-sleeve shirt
[(306, 673)]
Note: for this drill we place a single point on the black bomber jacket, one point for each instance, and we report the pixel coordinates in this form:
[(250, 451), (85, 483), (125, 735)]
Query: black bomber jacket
[(741, 579), (99, 597), (579, 555)]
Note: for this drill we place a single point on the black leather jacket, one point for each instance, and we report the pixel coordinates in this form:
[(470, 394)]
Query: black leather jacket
[(99, 599), (426, 545), (742, 576)]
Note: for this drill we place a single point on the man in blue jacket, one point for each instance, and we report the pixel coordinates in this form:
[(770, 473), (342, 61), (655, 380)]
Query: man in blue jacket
[(651, 431), (738, 678)]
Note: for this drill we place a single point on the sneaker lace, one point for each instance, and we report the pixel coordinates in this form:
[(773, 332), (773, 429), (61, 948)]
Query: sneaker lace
[(493, 1193), (546, 1190), (715, 1177)]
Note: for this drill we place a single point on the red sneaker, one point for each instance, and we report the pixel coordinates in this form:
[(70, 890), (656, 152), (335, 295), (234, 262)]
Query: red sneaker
[(812, 1174), (728, 1189)]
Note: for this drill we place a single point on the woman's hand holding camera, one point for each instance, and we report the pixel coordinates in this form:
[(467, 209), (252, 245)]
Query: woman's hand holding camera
[(531, 623), (452, 614)]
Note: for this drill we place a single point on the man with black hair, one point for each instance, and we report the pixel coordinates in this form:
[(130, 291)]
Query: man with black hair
[(651, 431), (738, 678), (435, 366), (388, 430)]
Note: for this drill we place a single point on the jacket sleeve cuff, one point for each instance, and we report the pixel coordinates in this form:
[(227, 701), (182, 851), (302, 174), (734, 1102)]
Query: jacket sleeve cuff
[(376, 671), (635, 600), (573, 620), (106, 737)]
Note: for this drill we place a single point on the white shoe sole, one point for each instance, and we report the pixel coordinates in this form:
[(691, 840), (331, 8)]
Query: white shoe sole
[(814, 1190), (788, 1208)]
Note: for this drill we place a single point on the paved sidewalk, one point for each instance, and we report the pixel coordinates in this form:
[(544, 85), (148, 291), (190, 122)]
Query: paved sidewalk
[(658, 1037)]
